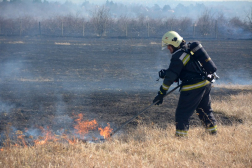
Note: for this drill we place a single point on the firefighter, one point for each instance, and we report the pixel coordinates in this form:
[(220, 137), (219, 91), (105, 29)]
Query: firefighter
[(195, 88)]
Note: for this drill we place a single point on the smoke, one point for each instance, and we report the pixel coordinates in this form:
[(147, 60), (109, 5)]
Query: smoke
[(37, 10), (6, 107), (62, 122), (9, 71), (151, 9), (162, 60), (237, 77)]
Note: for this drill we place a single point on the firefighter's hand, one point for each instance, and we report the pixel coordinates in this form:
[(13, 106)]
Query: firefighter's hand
[(210, 78), (162, 73), (159, 97)]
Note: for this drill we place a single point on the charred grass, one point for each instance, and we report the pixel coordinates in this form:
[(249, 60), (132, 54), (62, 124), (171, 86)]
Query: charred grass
[(149, 145)]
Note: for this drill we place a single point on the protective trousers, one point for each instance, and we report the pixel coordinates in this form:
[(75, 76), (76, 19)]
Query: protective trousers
[(197, 99)]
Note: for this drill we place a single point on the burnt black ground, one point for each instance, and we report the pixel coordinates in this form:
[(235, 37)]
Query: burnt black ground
[(48, 81)]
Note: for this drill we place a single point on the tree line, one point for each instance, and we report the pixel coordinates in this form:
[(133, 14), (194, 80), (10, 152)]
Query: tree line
[(102, 22)]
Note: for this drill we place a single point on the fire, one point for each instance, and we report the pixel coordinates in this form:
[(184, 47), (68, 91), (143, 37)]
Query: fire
[(70, 141), (47, 136), (83, 127), (106, 131)]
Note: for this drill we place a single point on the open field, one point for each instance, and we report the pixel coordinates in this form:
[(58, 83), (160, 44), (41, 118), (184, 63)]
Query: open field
[(45, 83)]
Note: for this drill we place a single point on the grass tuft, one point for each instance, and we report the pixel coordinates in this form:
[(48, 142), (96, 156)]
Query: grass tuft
[(238, 106)]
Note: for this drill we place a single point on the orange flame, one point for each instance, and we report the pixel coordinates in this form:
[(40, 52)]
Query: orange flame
[(70, 141), (48, 136), (106, 131), (20, 136), (83, 127)]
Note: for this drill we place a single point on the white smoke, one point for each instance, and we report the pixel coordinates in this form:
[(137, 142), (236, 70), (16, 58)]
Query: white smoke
[(238, 77)]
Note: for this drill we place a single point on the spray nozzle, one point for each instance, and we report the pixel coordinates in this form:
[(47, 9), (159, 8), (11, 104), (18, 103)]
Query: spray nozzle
[(216, 76)]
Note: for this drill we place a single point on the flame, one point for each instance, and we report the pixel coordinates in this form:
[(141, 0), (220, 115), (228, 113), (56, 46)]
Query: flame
[(106, 131), (70, 141), (48, 136), (83, 127)]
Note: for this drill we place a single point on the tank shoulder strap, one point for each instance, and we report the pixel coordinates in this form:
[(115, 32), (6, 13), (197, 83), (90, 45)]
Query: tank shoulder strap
[(199, 67)]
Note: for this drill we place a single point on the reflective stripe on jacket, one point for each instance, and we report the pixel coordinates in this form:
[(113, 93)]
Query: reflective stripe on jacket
[(195, 86), (184, 68)]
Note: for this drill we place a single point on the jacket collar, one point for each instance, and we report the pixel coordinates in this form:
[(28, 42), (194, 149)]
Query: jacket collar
[(176, 51)]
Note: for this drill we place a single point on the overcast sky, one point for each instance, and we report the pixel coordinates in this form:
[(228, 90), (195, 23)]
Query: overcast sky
[(149, 3), (146, 2)]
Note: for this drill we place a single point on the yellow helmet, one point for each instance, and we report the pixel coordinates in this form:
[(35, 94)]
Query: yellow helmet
[(171, 38)]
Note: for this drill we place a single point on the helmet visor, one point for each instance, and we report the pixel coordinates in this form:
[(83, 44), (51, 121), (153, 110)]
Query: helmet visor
[(164, 45)]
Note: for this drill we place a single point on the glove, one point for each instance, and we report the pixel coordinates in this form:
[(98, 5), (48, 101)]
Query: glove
[(160, 96), (162, 73), (210, 78)]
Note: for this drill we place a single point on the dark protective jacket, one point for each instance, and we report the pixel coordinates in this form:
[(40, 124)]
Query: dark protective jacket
[(185, 68)]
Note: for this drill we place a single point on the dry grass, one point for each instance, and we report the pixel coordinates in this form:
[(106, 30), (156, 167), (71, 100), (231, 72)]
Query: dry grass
[(149, 146), (231, 86), (238, 106), (39, 79), (144, 147), (62, 43)]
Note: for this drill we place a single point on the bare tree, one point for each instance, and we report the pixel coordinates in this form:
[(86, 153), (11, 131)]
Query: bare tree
[(170, 23), (205, 23), (100, 19), (184, 24), (122, 23), (221, 26), (249, 19), (236, 22), (72, 25)]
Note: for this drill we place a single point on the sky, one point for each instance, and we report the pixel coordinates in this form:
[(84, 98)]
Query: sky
[(145, 2), (140, 2)]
